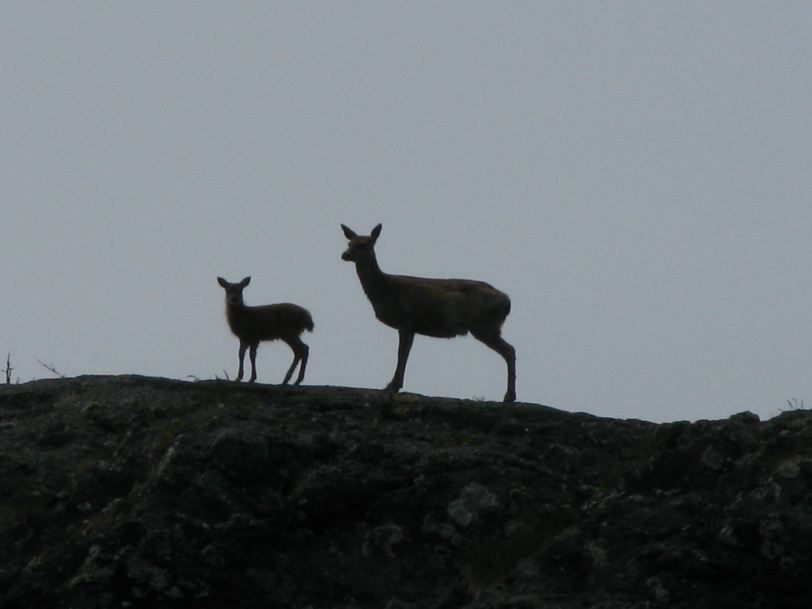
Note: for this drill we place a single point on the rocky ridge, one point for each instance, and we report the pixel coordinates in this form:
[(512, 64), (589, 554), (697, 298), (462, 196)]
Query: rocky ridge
[(143, 492)]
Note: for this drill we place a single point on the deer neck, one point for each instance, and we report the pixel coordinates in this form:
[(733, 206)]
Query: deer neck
[(236, 314), (374, 281)]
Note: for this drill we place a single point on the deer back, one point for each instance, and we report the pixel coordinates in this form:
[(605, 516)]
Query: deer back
[(269, 322), (439, 307)]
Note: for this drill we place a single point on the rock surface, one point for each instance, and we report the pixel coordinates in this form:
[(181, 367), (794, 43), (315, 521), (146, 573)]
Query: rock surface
[(142, 492)]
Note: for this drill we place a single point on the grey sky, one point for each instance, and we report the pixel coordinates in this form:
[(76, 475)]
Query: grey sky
[(636, 175)]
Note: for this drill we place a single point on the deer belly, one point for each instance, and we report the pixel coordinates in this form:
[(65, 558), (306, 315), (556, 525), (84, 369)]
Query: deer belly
[(432, 323)]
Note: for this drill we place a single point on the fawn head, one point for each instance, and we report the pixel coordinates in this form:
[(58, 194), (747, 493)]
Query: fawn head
[(234, 290), (359, 246)]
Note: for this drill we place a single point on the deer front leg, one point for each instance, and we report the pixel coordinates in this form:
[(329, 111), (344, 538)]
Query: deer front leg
[(243, 347), (252, 353), (406, 338)]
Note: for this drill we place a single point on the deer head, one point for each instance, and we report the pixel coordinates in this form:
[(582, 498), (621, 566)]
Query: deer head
[(359, 246)]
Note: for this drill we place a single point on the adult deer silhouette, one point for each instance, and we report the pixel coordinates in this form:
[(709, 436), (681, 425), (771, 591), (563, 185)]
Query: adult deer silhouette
[(443, 308)]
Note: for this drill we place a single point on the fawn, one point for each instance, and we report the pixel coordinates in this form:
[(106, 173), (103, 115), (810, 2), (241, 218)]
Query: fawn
[(251, 325)]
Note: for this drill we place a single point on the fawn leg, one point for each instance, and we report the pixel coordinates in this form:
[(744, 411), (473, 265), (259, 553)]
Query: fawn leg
[(252, 353), (243, 347), (300, 353)]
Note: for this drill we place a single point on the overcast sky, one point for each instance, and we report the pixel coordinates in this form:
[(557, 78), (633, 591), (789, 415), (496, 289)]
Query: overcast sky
[(635, 175)]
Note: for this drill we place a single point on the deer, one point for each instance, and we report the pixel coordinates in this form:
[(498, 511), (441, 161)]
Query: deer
[(442, 308), (283, 321)]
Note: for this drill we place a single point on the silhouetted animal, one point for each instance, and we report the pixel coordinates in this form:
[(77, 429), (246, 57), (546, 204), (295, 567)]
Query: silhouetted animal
[(251, 325), (435, 307)]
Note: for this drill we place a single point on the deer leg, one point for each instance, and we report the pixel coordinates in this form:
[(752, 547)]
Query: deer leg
[(289, 373), (304, 352), (300, 353), (243, 347), (406, 338), (495, 341), (291, 369), (252, 353)]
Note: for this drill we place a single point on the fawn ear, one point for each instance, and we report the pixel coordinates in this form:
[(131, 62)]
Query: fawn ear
[(348, 232), (375, 232), (222, 282), (245, 282)]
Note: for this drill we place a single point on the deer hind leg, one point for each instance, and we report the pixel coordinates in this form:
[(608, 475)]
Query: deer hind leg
[(493, 339), (300, 354), (252, 353), (406, 338)]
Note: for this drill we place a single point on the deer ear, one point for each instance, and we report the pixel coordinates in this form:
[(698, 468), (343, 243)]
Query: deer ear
[(222, 282), (375, 232), (348, 232), (245, 282)]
